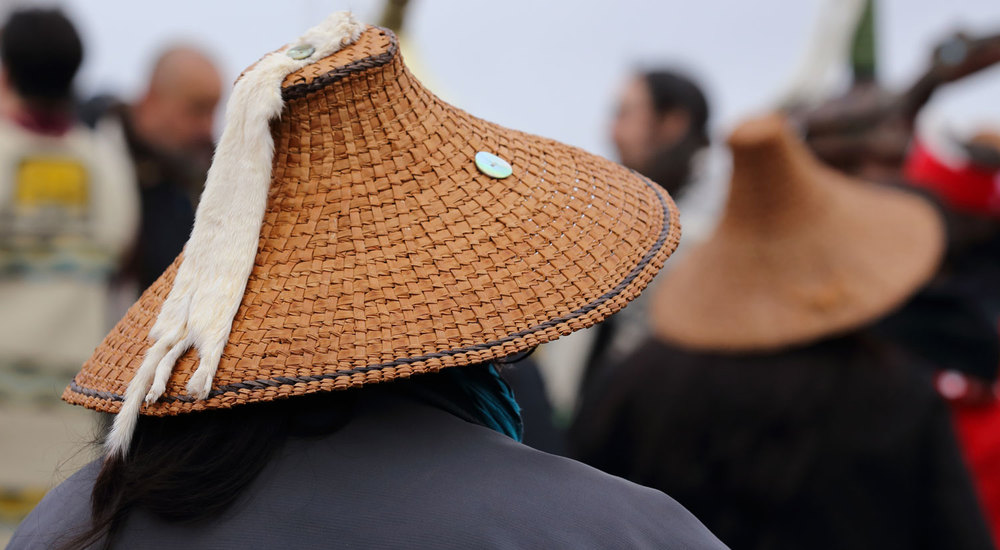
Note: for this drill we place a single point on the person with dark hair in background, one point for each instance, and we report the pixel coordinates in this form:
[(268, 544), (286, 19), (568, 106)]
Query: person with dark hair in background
[(68, 213), (169, 130), (960, 339), (660, 126), (661, 131)]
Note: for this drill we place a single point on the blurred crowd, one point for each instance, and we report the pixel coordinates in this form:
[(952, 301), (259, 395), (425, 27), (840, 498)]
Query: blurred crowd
[(98, 198), (816, 367)]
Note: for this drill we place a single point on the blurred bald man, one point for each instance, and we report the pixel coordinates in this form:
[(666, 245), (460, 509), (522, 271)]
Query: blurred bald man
[(177, 112), (170, 134)]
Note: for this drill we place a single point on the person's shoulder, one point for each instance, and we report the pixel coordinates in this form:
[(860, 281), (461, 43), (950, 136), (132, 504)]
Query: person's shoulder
[(576, 506), (63, 511), (478, 488)]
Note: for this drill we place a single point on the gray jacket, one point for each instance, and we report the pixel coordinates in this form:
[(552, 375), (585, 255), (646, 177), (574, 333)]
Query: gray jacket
[(404, 474)]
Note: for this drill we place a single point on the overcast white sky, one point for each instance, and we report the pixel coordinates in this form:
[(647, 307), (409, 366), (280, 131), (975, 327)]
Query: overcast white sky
[(551, 68)]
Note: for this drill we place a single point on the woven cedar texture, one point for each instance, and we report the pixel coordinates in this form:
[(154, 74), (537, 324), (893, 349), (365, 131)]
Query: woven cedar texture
[(384, 252)]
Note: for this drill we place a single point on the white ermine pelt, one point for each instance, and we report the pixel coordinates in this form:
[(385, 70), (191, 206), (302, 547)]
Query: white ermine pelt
[(220, 254)]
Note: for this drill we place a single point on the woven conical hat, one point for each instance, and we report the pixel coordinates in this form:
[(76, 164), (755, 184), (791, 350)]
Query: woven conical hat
[(801, 253), (385, 252)]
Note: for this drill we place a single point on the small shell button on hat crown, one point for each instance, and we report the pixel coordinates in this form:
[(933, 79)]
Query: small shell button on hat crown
[(492, 165), (301, 51)]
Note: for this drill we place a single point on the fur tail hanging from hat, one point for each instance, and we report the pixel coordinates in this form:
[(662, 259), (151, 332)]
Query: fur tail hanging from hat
[(219, 256)]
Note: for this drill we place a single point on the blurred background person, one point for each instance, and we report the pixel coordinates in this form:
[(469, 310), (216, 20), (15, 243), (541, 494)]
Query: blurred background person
[(961, 349), (773, 410), (170, 136), (960, 340), (68, 213), (661, 124), (661, 131)]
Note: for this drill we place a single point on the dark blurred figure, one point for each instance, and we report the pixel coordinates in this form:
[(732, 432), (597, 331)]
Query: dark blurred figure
[(767, 403), (68, 213), (660, 129), (170, 136), (959, 342), (962, 344)]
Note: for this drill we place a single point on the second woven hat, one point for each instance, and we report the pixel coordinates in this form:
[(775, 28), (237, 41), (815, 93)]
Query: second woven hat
[(801, 253)]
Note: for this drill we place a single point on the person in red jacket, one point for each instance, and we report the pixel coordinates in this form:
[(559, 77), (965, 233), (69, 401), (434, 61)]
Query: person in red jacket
[(963, 345)]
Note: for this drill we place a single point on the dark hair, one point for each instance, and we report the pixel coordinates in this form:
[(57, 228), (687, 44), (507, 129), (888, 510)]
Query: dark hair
[(194, 466), (41, 52), (672, 91)]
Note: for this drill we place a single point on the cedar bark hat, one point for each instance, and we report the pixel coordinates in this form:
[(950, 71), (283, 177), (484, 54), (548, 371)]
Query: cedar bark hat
[(389, 234), (802, 252)]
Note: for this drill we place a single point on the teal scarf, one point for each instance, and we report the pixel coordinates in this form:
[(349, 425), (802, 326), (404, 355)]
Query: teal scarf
[(490, 397)]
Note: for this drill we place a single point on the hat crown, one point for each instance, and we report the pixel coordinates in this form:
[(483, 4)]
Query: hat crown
[(348, 104), (375, 47), (776, 181)]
